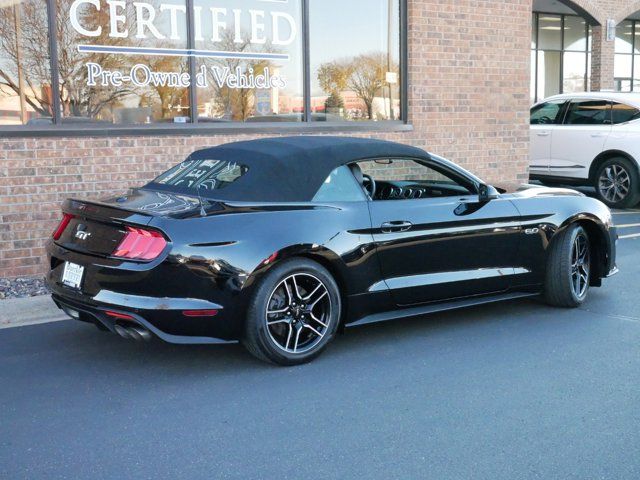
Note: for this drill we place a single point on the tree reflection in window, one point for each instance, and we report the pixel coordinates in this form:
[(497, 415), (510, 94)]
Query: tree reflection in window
[(25, 76)]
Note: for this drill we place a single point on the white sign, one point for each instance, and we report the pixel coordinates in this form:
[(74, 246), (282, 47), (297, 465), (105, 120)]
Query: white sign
[(141, 20), (141, 75), (217, 20)]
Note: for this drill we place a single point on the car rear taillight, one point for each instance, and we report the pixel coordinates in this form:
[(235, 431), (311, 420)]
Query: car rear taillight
[(64, 223), (140, 244)]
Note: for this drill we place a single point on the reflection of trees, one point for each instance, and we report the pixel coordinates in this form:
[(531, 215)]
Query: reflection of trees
[(334, 78), (29, 19), (169, 96), (365, 75), (76, 97), (234, 103)]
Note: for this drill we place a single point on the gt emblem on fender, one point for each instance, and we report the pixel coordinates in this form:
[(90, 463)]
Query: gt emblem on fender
[(531, 231)]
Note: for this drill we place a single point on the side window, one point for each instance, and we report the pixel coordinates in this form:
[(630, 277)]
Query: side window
[(340, 186), (622, 113), (589, 112), (400, 179), (546, 113)]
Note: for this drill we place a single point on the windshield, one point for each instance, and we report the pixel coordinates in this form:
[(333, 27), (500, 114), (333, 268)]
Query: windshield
[(204, 174)]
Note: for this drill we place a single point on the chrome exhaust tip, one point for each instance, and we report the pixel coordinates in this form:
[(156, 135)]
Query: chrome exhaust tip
[(75, 314), (122, 331), (139, 334)]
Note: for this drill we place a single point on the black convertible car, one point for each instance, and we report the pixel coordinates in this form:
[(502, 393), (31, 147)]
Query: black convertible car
[(279, 243)]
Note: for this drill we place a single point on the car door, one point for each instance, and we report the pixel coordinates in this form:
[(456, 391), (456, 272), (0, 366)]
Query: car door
[(435, 239), (580, 138), (544, 118)]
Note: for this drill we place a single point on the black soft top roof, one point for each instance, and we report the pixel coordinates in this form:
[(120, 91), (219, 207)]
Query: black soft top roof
[(292, 169)]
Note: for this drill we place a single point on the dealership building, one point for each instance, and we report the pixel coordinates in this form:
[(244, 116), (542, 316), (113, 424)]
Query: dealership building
[(97, 96)]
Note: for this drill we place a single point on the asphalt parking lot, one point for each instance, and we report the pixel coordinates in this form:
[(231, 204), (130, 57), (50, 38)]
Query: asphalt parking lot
[(508, 391)]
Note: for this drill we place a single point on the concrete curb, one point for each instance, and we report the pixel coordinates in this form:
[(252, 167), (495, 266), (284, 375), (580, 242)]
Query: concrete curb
[(18, 312)]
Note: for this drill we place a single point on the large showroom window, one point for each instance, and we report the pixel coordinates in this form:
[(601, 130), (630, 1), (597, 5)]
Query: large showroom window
[(560, 55), (355, 71), (627, 62), (25, 76), (136, 64)]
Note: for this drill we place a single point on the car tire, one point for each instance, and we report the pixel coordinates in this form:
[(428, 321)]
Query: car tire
[(568, 272), (617, 183), (293, 314)]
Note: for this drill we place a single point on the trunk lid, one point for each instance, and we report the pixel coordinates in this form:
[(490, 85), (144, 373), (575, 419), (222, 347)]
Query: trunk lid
[(99, 226), (151, 203)]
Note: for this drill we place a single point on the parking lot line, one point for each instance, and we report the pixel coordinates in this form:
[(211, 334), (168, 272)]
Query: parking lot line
[(633, 235), (629, 225)]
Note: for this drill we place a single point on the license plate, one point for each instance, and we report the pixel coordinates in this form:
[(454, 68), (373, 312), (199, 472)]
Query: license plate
[(72, 275)]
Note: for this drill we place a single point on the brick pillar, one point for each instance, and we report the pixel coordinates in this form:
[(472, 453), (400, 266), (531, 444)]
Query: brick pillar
[(602, 60)]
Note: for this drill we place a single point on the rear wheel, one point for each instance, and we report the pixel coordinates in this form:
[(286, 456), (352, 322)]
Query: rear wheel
[(293, 314), (568, 268), (617, 183)]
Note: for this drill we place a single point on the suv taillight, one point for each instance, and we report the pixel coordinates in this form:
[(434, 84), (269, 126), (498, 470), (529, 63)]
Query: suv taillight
[(140, 244), (66, 218)]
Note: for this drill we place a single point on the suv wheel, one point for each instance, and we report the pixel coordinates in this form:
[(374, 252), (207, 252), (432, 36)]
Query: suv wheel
[(293, 314), (617, 183)]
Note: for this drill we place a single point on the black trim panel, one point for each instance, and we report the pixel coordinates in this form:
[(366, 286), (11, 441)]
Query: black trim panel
[(440, 307), (273, 128)]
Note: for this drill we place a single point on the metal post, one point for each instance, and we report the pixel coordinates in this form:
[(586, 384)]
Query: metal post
[(389, 29), (18, 29), (306, 62)]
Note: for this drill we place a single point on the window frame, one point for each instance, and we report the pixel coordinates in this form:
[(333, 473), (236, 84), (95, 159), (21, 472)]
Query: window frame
[(562, 50), (635, 30), (57, 128), (459, 176)]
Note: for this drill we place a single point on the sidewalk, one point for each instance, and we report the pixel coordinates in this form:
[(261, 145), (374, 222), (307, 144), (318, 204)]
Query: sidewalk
[(17, 312)]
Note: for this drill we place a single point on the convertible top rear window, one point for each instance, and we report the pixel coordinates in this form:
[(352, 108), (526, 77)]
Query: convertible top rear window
[(279, 169), (202, 174)]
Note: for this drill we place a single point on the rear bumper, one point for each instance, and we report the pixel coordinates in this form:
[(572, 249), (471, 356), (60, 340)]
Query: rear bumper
[(155, 298), (98, 313), (187, 331)]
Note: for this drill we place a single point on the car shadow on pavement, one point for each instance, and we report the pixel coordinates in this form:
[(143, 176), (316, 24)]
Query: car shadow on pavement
[(105, 352)]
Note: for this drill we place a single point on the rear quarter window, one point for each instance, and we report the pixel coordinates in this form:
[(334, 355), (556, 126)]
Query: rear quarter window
[(623, 113), (206, 174), (340, 186)]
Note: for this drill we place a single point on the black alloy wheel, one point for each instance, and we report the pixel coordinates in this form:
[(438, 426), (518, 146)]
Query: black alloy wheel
[(294, 313), (580, 265), (569, 268)]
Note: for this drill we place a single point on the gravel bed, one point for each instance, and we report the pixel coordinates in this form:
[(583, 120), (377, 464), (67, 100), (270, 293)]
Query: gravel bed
[(22, 287)]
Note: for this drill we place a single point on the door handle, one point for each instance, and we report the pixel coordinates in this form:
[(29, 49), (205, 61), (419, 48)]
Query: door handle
[(543, 134), (597, 135), (396, 226)]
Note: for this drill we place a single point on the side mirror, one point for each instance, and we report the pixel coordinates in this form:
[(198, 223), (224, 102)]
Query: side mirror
[(486, 193)]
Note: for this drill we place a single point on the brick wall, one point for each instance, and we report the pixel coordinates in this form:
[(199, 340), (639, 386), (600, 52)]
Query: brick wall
[(468, 101)]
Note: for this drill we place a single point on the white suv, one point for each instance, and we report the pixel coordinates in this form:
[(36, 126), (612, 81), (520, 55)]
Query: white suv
[(589, 139)]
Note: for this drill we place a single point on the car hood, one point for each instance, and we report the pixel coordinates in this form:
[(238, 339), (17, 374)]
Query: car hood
[(530, 191)]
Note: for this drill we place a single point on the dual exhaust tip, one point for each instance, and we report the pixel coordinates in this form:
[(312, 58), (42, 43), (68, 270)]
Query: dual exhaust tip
[(133, 332), (129, 332)]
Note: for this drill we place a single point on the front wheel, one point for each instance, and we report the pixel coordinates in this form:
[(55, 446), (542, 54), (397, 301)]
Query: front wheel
[(293, 314), (617, 183), (568, 268)]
